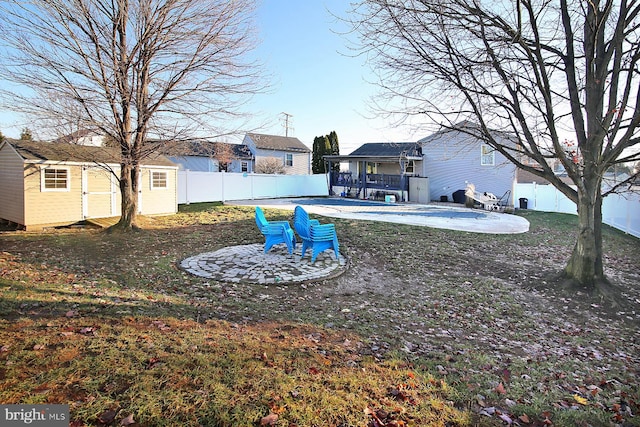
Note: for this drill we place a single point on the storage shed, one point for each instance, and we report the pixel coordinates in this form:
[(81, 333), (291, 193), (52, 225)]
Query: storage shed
[(52, 184)]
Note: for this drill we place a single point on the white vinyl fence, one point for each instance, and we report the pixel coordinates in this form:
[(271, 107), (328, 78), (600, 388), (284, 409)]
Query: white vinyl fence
[(621, 211), (195, 187)]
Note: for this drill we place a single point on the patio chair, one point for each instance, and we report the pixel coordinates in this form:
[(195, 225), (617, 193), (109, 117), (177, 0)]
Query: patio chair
[(318, 237), (275, 232)]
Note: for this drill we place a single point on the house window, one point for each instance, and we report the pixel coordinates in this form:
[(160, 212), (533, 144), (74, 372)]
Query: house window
[(244, 166), (55, 179), (288, 159), (159, 180), (487, 155), (409, 167)]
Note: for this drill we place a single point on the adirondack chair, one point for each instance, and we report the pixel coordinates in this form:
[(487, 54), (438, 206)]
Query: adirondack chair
[(275, 232), (318, 237)]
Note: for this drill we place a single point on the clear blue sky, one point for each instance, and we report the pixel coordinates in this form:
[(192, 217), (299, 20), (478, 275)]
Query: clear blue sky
[(312, 78)]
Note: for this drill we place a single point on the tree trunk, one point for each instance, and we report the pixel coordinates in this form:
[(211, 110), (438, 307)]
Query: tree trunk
[(129, 192), (585, 269)]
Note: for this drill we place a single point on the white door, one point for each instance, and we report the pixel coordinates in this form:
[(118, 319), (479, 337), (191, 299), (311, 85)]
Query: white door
[(98, 193)]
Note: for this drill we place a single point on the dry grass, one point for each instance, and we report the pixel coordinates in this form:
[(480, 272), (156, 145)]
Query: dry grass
[(424, 317)]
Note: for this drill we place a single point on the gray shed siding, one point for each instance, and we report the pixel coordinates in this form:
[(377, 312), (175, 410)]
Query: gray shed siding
[(453, 159)]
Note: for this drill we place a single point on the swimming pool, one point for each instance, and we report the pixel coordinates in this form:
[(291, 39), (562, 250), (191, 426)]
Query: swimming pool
[(451, 217)]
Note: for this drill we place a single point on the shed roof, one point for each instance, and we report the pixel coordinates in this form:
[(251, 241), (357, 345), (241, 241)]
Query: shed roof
[(64, 152), (280, 143)]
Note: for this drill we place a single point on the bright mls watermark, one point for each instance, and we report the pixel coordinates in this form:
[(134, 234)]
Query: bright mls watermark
[(34, 415)]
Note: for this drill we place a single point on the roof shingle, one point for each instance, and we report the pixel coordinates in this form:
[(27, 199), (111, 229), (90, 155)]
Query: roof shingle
[(63, 152), (280, 143)]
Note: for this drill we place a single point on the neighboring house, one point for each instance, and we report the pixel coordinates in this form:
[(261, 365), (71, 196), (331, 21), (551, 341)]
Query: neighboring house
[(45, 184), (205, 156), (377, 170), (453, 159), (83, 137), (295, 156)]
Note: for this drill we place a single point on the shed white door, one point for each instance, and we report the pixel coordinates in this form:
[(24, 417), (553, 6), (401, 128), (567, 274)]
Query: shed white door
[(98, 193)]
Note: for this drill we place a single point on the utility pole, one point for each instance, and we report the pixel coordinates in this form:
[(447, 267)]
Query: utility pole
[(286, 121)]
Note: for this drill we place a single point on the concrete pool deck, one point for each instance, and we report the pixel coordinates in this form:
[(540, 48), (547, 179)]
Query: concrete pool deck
[(432, 215)]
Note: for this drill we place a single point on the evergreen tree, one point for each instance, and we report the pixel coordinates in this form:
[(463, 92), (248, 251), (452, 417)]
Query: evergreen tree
[(1, 137), (335, 149), (321, 147)]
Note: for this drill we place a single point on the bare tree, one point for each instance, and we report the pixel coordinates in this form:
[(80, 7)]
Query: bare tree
[(224, 154), (270, 165), (551, 74), (130, 70)]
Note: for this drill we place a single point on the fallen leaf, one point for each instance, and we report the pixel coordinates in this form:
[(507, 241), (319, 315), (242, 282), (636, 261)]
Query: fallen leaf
[(107, 416), (500, 389), (127, 421), (269, 420), (524, 418), (38, 347), (581, 400), (506, 375)]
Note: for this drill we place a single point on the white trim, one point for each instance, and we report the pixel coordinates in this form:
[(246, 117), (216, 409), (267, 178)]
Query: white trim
[(491, 153), (151, 180), (43, 187), (89, 164)]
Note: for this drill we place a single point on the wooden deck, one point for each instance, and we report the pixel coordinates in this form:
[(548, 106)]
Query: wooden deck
[(103, 222)]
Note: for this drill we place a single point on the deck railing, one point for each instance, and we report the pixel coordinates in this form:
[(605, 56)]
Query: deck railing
[(373, 180)]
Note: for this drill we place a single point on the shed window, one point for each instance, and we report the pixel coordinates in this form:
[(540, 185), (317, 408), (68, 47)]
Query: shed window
[(158, 180), (487, 155), (244, 166), (288, 161), (55, 179)]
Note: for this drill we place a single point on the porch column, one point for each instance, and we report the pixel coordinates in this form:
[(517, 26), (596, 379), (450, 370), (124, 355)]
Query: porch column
[(363, 178), (330, 179)]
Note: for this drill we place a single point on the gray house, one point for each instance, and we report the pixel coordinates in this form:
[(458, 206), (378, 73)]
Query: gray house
[(205, 156), (377, 170), (294, 155), (452, 159)]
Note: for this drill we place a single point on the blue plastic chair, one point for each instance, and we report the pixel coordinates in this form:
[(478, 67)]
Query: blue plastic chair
[(275, 232), (318, 237)]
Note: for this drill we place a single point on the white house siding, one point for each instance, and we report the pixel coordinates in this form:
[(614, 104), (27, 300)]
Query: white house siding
[(11, 185), (236, 166), (452, 160), (301, 161)]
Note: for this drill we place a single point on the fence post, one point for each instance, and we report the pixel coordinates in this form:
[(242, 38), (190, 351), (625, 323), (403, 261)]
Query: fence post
[(223, 184)]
